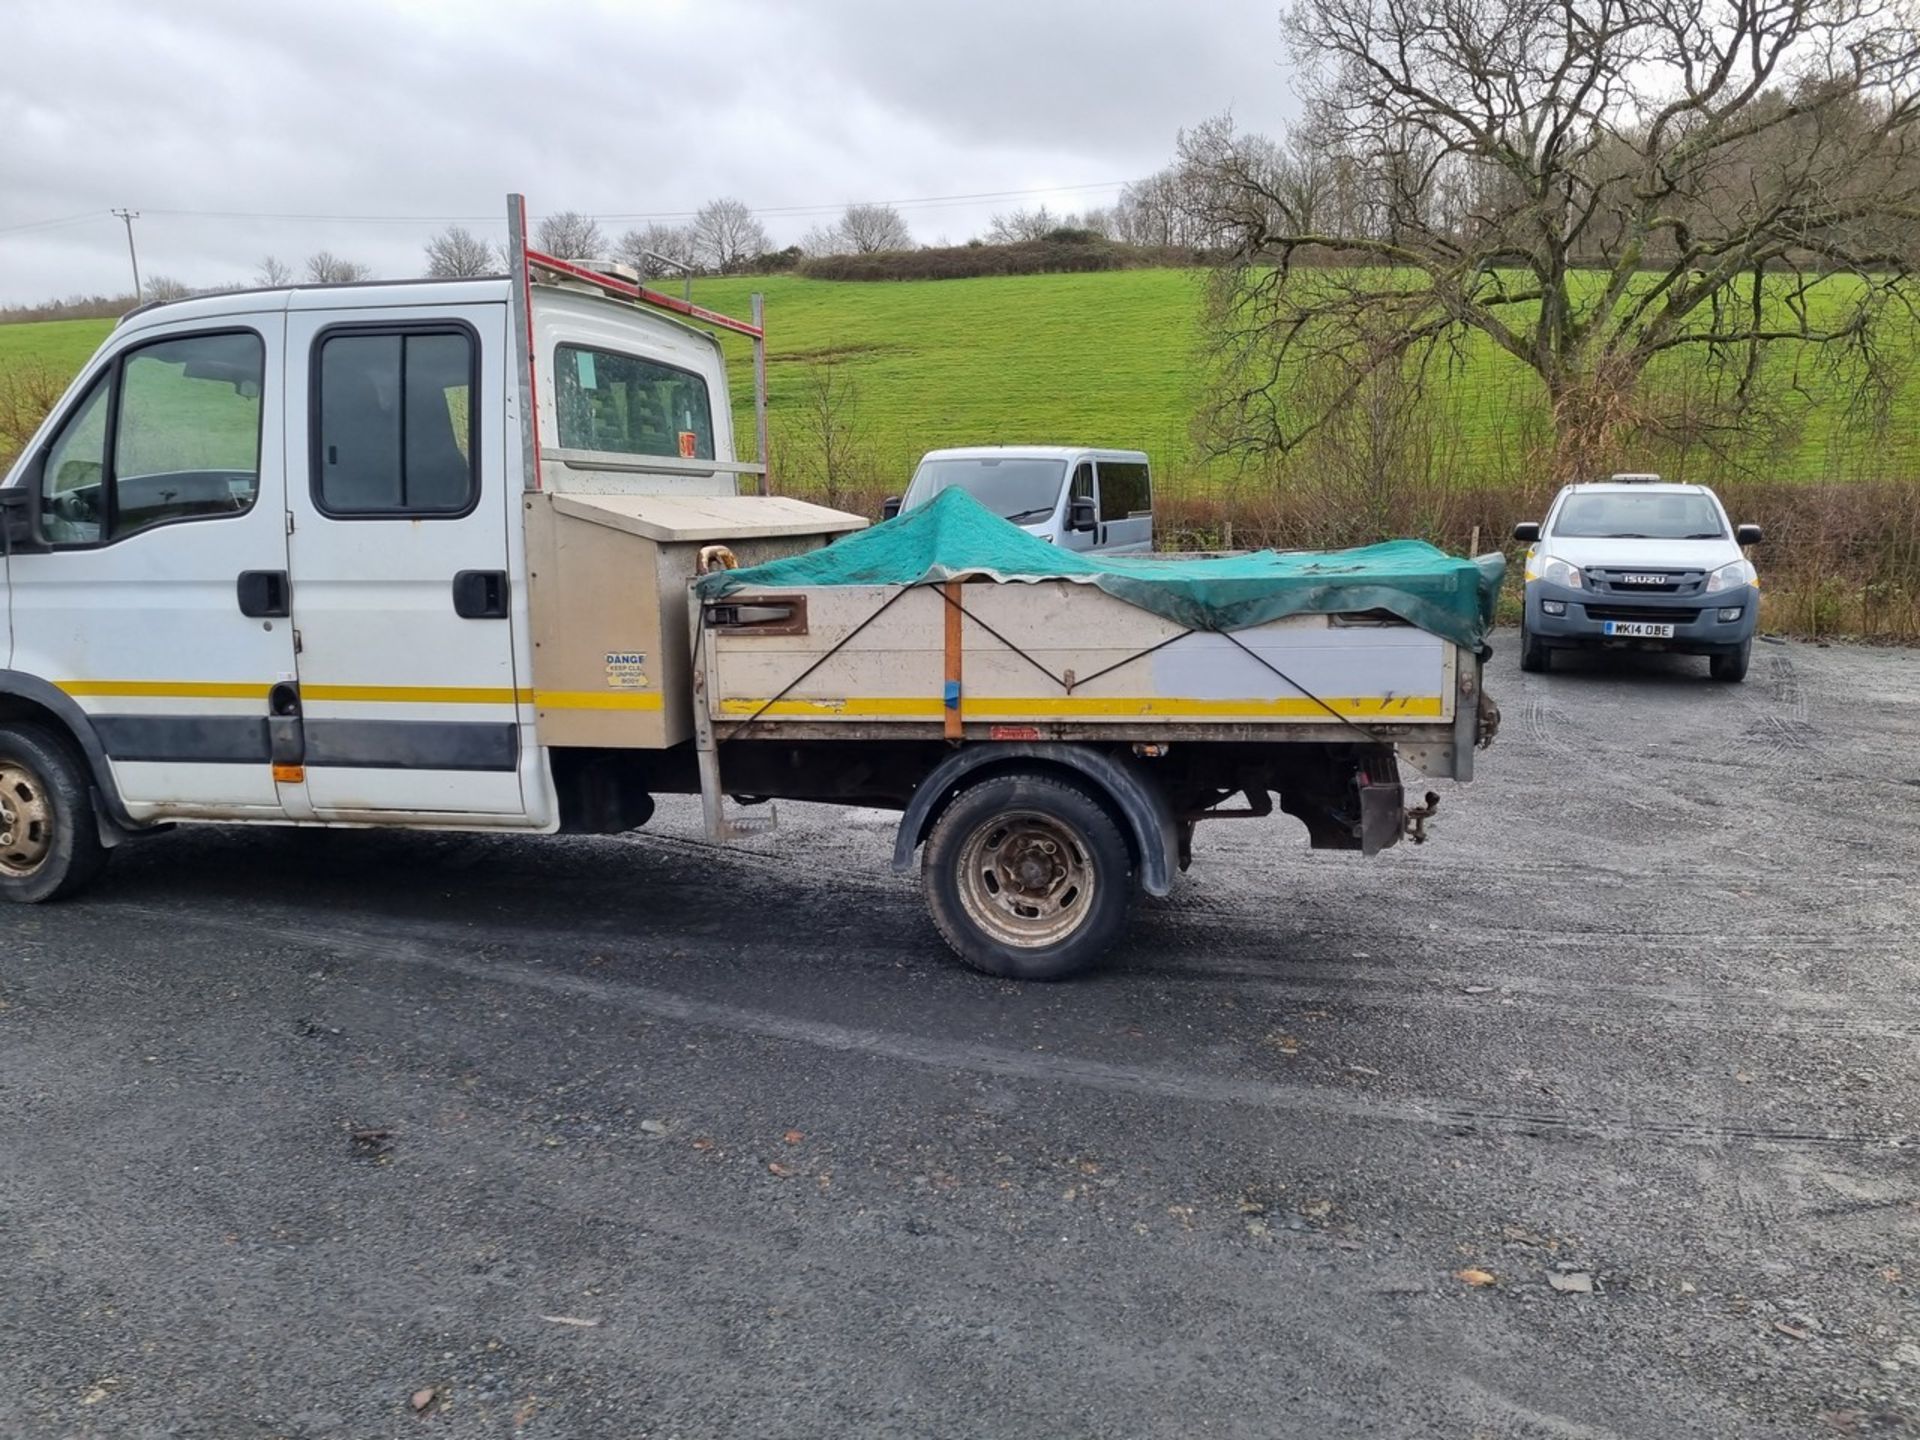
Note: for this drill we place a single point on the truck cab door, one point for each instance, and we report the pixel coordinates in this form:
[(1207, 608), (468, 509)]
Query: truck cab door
[(402, 548), (159, 604)]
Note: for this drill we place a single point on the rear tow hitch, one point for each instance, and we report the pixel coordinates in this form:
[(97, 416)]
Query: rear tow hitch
[(1417, 817)]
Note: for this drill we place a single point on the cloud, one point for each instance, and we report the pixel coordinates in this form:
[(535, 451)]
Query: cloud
[(241, 129)]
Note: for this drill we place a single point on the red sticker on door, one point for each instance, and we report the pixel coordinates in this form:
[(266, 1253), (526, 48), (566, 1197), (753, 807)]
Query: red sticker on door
[(687, 445)]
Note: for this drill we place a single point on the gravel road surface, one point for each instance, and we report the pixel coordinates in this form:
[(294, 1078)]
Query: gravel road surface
[(365, 1135)]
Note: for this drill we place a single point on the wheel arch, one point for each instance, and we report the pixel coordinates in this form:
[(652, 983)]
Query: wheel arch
[(27, 697), (1146, 819)]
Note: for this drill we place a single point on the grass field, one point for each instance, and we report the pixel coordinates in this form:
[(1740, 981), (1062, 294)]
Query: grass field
[(1111, 359)]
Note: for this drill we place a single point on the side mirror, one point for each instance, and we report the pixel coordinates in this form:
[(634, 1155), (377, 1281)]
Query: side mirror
[(1527, 532), (1081, 516), (1748, 534), (20, 517), (889, 507)]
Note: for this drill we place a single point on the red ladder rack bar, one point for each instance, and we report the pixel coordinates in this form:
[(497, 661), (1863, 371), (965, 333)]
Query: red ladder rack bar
[(617, 286)]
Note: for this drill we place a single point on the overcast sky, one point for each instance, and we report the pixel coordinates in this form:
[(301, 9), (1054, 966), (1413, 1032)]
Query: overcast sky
[(210, 116)]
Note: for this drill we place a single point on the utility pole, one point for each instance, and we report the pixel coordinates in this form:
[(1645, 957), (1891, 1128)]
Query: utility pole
[(130, 216)]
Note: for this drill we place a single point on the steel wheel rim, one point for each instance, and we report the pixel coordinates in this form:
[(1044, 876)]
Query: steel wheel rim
[(26, 821), (1026, 879)]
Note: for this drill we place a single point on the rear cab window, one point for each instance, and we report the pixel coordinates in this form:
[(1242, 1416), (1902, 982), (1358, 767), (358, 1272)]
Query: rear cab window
[(626, 405), (395, 423)]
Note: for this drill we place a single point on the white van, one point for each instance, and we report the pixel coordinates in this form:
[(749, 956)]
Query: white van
[(1099, 500)]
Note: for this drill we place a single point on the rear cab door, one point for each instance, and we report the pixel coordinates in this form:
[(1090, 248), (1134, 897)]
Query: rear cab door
[(404, 543)]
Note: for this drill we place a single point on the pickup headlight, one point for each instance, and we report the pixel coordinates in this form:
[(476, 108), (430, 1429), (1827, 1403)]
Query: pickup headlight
[(1554, 572), (1732, 576)]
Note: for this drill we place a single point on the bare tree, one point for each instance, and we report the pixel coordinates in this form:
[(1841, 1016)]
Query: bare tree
[(327, 268), (871, 228), (641, 249), (165, 287), (860, 230), (1014, 226), (456, 251), (273, 273), (1589, 184), (725, 234), (570, 235), (826, 447)]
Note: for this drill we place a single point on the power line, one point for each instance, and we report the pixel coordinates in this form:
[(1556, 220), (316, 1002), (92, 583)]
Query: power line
[(50, 224), (778, 211)]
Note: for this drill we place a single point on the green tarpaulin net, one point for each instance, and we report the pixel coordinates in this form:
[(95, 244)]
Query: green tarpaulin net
[(954, 536)]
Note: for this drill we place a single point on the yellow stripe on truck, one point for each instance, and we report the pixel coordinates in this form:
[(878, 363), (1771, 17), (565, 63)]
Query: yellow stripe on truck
[(372, 694), (164, 689), (1086, 707)]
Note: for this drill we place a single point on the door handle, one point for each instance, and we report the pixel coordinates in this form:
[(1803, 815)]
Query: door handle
[(480, 594), (264, 594)]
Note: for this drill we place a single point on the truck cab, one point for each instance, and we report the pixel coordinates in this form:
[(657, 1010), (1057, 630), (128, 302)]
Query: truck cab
[(1093, 500)]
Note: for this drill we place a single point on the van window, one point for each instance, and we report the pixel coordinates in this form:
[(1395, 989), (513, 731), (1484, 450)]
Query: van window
[(395, 430), (1124, 490), (621, 403), (73, 509), (185, 444)]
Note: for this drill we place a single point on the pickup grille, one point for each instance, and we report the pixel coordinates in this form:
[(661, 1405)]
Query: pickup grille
[(1665, 614), (1663, 582)]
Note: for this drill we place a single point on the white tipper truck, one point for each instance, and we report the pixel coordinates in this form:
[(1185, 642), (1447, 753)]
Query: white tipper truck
[(425, 555)]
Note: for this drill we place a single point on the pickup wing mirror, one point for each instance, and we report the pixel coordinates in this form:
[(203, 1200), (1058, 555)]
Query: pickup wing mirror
[(20, 517), (1748, 534), (889, 507), (1081, 515), (1527, 532)]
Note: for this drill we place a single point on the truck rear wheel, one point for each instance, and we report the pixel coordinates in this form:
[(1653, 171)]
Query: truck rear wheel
[(1028, 877), (49, 838)]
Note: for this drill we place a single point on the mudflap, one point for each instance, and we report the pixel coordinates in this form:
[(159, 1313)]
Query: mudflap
[(1382, 817)]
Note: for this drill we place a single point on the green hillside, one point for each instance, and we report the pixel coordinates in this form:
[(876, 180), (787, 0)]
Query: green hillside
[(1111, 359)]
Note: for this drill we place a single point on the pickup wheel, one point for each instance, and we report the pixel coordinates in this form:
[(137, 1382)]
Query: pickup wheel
[(1731, 667), (1028, 877), (1535, 658), (49, 838)]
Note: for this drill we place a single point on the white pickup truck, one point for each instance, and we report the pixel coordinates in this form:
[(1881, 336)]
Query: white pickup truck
[(431, 555)]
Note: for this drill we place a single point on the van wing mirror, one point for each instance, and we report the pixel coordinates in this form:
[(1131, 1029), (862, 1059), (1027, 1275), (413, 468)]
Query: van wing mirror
[(1081, 515), (890, 507), (1527, 531), (20, 518), (1748, 534)]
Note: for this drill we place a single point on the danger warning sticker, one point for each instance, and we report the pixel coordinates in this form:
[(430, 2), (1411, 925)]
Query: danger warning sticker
[(626, 670)]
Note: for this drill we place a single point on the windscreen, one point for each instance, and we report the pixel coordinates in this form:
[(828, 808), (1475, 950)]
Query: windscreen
[(1643, 515), (1021, 490)]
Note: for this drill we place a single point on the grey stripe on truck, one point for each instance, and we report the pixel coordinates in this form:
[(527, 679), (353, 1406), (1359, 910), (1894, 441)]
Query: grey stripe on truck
[(199, 739), (330, 744), (413, 744)]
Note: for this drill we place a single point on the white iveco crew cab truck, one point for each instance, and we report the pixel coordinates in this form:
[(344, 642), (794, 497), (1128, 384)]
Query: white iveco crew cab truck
[(473, 555)]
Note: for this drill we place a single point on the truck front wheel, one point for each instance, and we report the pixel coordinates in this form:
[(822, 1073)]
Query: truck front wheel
[(1028, 877), (49, 838)]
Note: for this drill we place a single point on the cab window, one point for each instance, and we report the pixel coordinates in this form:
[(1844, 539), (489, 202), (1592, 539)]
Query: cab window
[(395, 424), (171, 432), (629, 406)]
